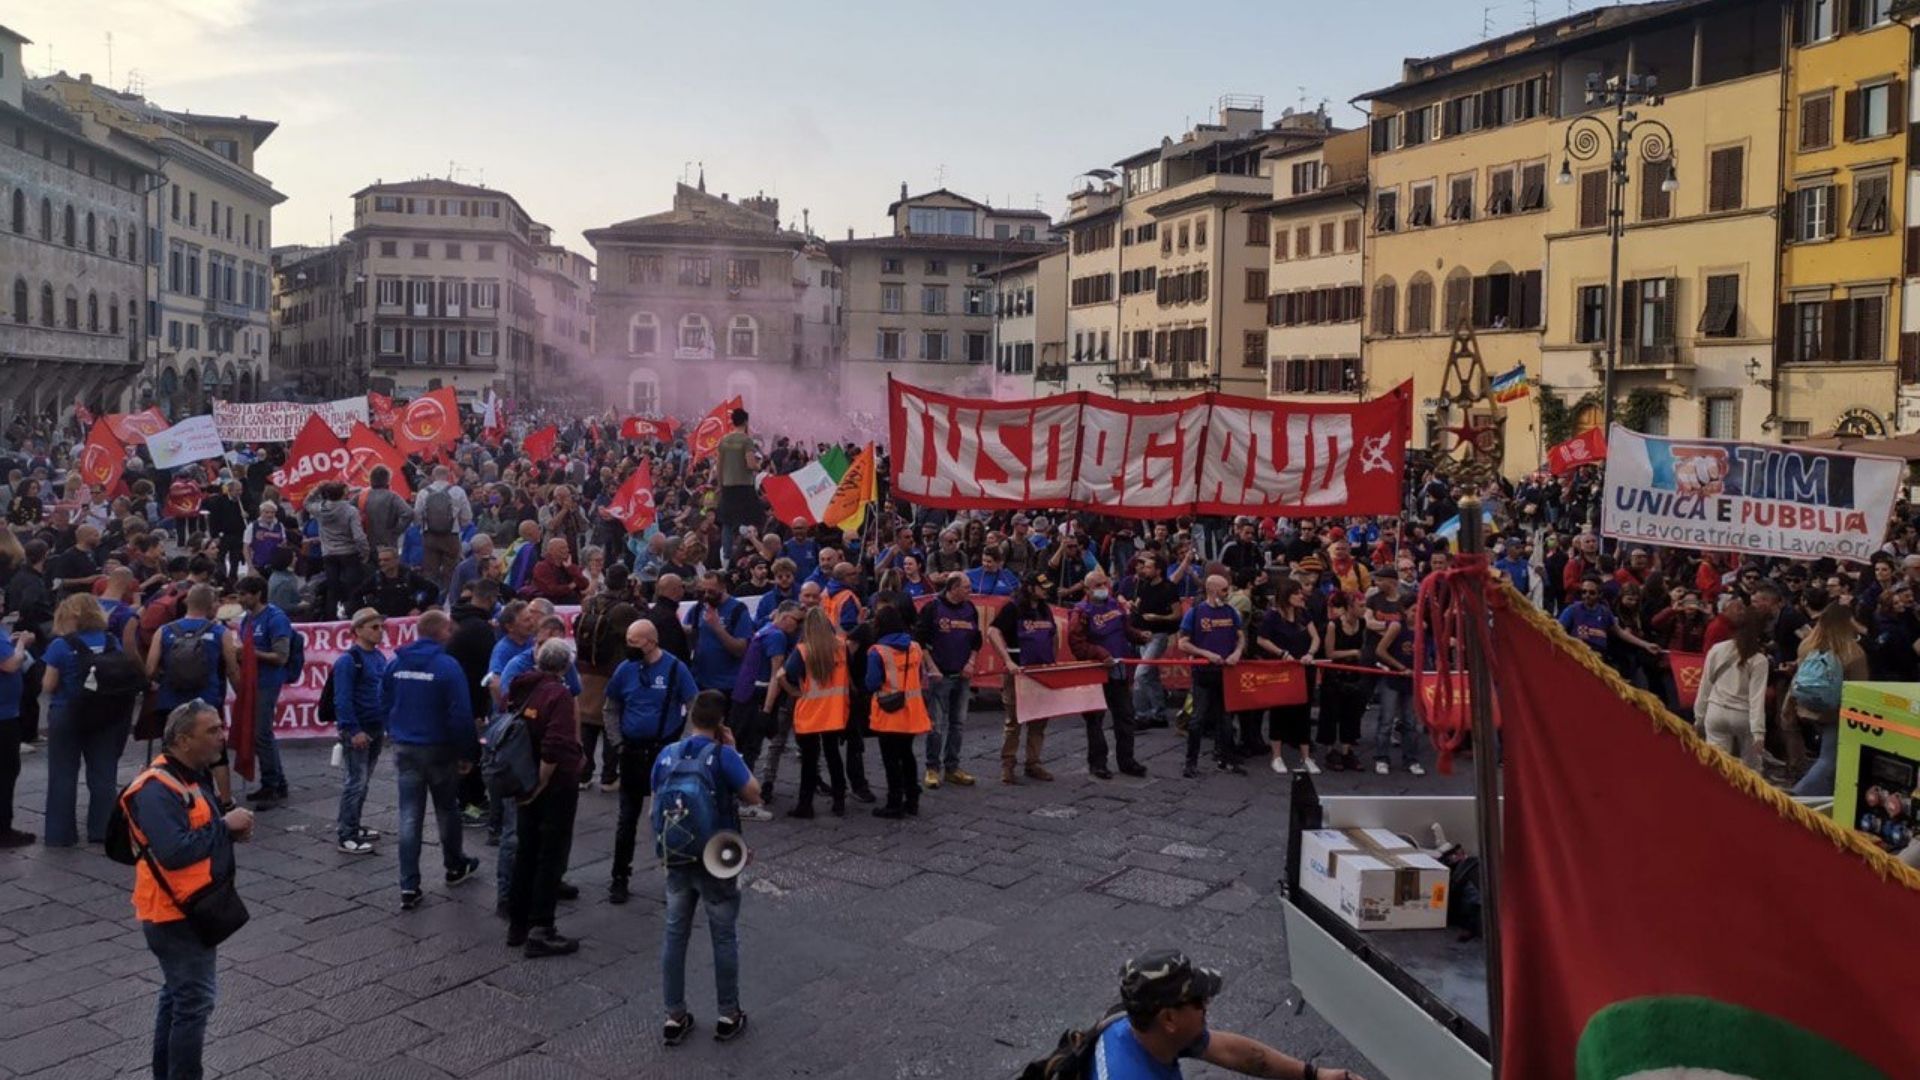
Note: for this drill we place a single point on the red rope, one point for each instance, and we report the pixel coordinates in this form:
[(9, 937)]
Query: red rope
[(1451, 605)]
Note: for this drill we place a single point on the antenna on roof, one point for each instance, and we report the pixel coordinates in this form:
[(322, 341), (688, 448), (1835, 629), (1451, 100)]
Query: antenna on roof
[(1486, 21), (940, 176), (1533, 12), (109, 58)]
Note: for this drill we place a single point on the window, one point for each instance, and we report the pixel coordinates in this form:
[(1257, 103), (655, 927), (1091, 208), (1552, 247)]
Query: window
[(888, 346), (20, 300), (173, 334), (1590, 314), (1200, 233), (420, 344), (933, 345), (643, 334), (1723, 418), (389, 343), (936, 267), (1303, 241), (1656, 204), (976, 347), (1593, 199), (486, 294), (1869, 206), (1256, 286), (1096, 238), (1256, 230), (1314, 376), (1811, 210), (1420, 305), (1726, 178), (387, 292), (389, 249), (19, 211), (892, 297), (1814, 21), (386, 204), (1460, 198), (1647, 318), (1420, 214), (1456, 300), (1253, 348), (68, 233), (641, 269), (743, 337), (1002, 231), (1350, 234), (891, 266), (1499, 192), (696, 270), (1384, 135), (1462, 115), (1870, 111), (695, 335), (1184, 234), (453, 251), (1816, 121), (486, 255), (193, 335), (193, 208), (1416, 126), (1166, 243), (1869, 13), (1386, 205), (933, 299), (743, 274), (1385, 300), (422, 250), (1721, 315), (976, 296), (1306, 177)]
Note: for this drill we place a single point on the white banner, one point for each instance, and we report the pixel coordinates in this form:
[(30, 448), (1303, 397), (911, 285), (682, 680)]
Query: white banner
[(1747, 497), (193, 439), (281, 421)]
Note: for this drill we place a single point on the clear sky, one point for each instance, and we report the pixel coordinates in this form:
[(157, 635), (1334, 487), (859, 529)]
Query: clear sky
[(587, 111)]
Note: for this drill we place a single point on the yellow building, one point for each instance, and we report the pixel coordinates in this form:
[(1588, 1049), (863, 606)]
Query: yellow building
[(1695, 307), (1843, 218)]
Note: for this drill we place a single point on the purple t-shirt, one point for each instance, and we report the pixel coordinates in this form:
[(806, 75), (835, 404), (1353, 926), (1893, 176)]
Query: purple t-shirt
[(756, 664), (1215, 628), (1032, 635), (956, 634), (1107, 626)]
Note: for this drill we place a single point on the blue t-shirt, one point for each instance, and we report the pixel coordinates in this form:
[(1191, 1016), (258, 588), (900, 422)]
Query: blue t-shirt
[(11, 682), (756, 667), (1589, 623), (60, 657), (504, 650), (714, 668), (212, 637), (522, 662), (1119, 1056), (269, 624), (651, 698)]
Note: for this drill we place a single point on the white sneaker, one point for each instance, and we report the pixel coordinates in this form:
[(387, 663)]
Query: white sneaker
[(1417, 769), (1381, 768), (356, 847), (755, 813), (1312, 769), (1280, 766)]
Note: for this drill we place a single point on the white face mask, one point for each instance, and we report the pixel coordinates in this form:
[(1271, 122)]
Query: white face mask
[(1100, 594)]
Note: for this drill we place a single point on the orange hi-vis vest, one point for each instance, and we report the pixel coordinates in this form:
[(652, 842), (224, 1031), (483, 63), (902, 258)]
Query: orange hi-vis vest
[(151, 902), (835, 603), (902, 668), (822, 708)]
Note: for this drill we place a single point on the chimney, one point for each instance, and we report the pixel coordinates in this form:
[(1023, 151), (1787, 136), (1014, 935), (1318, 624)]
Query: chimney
[(849, 232), (903, 191)]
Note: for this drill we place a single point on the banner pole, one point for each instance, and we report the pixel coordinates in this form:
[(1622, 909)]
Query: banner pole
[(1486, 774)]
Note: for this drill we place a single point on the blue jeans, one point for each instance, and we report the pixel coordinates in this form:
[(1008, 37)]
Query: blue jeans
[(1820, 778), (67, 749), (266, 705), (947, 706), (507, 816), (186, 999), (1396, 713), (1149, 693), (686, 887), (353, 790), (428, 771)]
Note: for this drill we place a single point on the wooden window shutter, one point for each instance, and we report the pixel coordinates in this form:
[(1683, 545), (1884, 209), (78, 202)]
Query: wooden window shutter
[(1852, 114), (1666, 332), (1726, 178), (1530, 297), (1869, 328), (1593, 199), (1482, 301), (1836, 208), (1629, 313), (1785, 341), (1913, 250), (1350, 238), (1816, 121), (1835, 341), (1655, 204), (1280, 237), (1897, 105), (1326, 237)]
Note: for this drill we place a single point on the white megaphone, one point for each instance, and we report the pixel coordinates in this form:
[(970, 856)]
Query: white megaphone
[(725, 856)]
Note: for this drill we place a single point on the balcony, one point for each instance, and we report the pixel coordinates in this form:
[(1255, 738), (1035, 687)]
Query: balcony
[(1053, 373), (27, 342), (228, 310), (1639, 356)]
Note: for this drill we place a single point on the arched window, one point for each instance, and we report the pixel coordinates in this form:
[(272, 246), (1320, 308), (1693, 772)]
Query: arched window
[(46, 304), (1386, 301), (19, 211), (643, 392), (133, 242), (71, 301), (1420, 304), (643, 334), (113, 237), (695, 334), (46, 218), (133, 320), (93, 312), (22, 300), (69, 232), (1456, 303), (113, 314), (93, 233), (743, 336)]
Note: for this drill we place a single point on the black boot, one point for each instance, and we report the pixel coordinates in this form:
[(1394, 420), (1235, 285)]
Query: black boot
[(802, 808), (839, 804), (891, 811)]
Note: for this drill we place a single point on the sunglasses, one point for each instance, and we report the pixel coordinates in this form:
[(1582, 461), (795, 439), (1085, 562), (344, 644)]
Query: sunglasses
[(1589, 592)]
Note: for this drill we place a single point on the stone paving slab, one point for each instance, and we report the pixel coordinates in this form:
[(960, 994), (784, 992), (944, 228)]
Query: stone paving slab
[(955, 945)]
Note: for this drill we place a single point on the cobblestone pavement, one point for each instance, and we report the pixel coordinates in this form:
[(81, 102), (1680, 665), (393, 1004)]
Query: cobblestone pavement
[(957, 945)]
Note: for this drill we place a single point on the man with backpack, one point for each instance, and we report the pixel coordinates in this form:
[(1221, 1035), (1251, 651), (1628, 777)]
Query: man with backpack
[(351, 699), (268, 638), (430, 721), (194, 657), (601, 634), (545, 815), (648, 691), (699, 782), (443, 511)]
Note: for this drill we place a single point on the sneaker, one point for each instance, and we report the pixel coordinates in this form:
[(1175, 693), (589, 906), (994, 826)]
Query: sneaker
[(862, 794), (1134, 769), (464, 873), (585, 784), (1382, 768), (755, 813), (1227, 765), (676, 1029), (1280, 766), (1312, 769), (729, 1028), (356, 846), (931, 780), (473, 817), (958, 777), (610, 785), (409, 899), (1416, 768), (617, 892), (365, 833), (550, 943)]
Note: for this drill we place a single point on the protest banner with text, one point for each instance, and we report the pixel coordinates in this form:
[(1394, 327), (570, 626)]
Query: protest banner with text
[(281, 421)]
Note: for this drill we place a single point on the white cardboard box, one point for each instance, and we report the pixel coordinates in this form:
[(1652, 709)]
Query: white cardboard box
[(1373, 879)]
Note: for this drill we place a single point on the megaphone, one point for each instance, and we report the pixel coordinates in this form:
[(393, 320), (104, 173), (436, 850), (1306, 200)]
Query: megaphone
[(725, 856)]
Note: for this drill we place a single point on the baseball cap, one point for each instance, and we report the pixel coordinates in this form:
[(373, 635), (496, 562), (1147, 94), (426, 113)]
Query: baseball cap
[(1310, 563), (1040, 578), (366, 615), (1165, 978)]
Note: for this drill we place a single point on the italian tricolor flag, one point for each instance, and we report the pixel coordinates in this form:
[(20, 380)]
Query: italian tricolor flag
[(805, 494)]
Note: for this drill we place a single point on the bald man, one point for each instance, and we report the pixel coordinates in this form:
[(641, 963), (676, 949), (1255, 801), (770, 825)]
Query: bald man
[(649, 693), (1211, 631)]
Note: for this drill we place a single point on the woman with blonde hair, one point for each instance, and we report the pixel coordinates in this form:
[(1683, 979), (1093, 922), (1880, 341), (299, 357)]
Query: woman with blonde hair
[(1830, 654), (91, 684), (816, 676)]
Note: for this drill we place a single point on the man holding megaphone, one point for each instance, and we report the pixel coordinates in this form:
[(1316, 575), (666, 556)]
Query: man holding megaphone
[(698, 784)]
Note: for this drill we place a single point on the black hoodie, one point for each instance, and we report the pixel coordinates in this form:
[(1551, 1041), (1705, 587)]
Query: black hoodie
[(472, 646)]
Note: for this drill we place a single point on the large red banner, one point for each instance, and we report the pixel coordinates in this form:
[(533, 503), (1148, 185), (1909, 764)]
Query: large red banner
[(1210, 454)]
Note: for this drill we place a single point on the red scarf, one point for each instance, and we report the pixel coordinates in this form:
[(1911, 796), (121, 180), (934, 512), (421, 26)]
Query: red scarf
[(240, 722)]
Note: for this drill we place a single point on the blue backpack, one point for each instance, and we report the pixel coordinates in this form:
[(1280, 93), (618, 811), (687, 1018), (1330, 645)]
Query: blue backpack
[(686, 805), (1816, 684)]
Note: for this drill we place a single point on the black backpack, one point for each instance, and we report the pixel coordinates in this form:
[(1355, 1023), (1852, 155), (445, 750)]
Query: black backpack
[(1072, 1056), (105, 685), (323, 712), (183, 663)]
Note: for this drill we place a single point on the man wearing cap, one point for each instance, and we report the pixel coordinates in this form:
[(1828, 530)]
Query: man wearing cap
[(1166, 997), (1243, 551), (361, 723)]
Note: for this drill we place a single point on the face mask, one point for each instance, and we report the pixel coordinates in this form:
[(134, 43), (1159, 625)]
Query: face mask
[(636, 654), (1100, 594)]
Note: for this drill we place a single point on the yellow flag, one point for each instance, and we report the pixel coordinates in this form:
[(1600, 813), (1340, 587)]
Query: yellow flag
[(859, 485)]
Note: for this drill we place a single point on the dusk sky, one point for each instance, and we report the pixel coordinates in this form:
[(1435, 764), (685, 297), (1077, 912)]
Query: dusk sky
[(588, 110)]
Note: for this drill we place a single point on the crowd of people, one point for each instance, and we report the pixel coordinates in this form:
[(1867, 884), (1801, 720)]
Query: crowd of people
[(698, 647)]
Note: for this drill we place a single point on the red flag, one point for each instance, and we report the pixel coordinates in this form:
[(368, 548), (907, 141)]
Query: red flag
[(428, 422), (1262, 684), (632, 505), (240, 723), (103, 458), (316, 457), (382, 412), (183, 499), (365, 449), (1040, 693), (1643, 923), (634, 427), (133, 428), (1688, 668), (1587, 449), (706, 434), (539, 445)]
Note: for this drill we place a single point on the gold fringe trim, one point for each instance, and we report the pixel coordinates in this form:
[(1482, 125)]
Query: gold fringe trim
[(1730, 769)]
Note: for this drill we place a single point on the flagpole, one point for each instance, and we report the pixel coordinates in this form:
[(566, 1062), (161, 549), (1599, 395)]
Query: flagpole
[(1486, 776)]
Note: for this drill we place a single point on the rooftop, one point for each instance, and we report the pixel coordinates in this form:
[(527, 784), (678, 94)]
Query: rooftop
[(8, 32), (1005, 248), (1559, 32)]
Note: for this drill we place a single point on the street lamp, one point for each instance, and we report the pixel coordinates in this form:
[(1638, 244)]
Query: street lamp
[(1588, 137)]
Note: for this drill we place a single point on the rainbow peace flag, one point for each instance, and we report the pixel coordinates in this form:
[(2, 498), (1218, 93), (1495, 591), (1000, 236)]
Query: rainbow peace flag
[(1511, 386)]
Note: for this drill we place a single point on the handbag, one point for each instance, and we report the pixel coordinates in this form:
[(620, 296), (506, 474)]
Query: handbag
[(214, 914), (891, 701)]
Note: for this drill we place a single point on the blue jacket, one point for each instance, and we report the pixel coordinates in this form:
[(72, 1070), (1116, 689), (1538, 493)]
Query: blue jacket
[(773, 598), (357, 688), (425, 696), (162, 817)]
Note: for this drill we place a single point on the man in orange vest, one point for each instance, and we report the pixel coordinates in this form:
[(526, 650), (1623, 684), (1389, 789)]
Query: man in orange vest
[(842, 600), (171, 813)]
